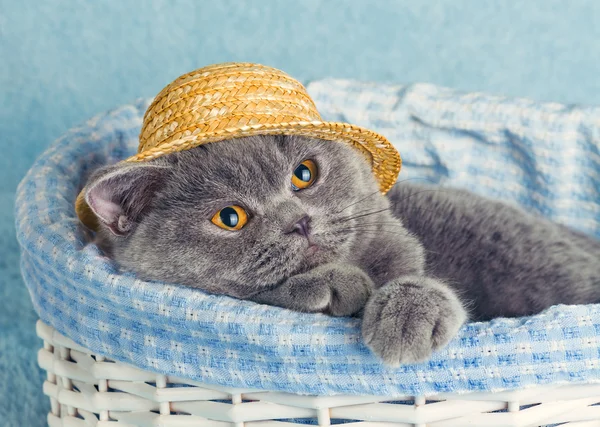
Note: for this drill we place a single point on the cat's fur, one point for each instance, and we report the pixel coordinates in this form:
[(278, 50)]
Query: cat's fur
[(408, 263)]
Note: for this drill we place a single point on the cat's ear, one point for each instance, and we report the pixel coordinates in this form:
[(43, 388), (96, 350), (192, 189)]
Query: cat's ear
[(120, 195)]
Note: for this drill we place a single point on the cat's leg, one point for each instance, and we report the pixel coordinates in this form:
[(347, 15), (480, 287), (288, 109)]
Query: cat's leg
[(409, 317), (335, 289)]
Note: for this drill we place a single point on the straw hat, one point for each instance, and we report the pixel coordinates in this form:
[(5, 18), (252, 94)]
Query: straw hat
[(233, 100)]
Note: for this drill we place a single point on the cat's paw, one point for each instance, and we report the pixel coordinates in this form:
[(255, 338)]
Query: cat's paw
[(349, 290), (405, 321), (337, 290)]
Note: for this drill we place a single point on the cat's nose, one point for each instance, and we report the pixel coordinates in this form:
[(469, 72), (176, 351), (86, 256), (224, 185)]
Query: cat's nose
[(301, 226)]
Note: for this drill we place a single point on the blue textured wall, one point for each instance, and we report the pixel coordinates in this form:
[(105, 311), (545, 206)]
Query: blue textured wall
[(62, 61)]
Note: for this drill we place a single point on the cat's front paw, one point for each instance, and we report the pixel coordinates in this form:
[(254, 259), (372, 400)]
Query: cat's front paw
[(337, 290), (349, 289), (407, 319)]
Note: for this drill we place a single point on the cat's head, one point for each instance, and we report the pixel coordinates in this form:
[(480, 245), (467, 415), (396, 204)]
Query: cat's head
[(235, 216)]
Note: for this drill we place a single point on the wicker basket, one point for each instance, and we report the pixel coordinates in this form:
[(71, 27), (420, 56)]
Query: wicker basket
[(89, 390)]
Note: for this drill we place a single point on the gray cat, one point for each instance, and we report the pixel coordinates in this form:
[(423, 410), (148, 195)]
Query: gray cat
[(300, 223)]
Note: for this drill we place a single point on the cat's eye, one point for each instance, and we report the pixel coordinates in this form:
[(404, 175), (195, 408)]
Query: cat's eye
[(304, 175), (230, 218)]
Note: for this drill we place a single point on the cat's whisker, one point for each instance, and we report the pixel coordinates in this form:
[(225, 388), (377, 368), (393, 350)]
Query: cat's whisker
[(393, 205), (378, 191), (397, 224), (373, 226), (350, 217), (363, 215), (374, 231), (367, 228), (358, 201)]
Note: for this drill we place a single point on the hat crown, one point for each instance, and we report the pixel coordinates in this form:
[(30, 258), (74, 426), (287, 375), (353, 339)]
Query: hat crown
[(221, 97)]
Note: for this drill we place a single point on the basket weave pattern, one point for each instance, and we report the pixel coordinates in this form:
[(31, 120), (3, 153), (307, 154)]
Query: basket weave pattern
[(87, 390)]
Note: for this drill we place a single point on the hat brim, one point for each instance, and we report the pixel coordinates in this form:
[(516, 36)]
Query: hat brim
[(383, 156)]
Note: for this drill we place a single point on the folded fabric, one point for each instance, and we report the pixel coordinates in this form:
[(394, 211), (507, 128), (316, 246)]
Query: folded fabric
[(542, 156)]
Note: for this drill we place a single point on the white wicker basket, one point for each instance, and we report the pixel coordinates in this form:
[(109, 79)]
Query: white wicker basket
[(87, 390)]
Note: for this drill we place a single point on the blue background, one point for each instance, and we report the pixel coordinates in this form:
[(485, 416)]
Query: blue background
[(63, 61)]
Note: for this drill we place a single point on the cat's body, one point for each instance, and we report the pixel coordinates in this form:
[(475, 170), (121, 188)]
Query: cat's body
[(503, 260), (412, 263)]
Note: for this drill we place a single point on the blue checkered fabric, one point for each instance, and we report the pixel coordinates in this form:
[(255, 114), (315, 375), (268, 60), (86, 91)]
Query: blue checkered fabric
[(543, 156)]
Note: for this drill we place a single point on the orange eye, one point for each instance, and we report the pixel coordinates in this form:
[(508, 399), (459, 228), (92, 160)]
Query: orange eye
[(231, 218), (304, 175)]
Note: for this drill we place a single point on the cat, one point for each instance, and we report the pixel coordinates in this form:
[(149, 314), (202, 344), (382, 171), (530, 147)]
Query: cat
[(300, 223)]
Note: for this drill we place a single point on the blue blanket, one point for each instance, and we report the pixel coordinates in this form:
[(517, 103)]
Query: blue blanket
[(543, 156)]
